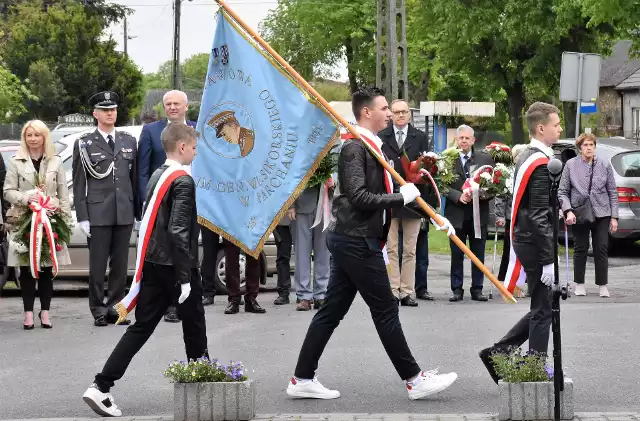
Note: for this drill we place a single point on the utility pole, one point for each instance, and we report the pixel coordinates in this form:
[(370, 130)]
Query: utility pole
[(392, 49), (125, 36), (176, 45)]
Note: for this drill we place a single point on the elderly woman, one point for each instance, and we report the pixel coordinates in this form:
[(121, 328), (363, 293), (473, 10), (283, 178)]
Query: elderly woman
[(35, 171), (589, 200)]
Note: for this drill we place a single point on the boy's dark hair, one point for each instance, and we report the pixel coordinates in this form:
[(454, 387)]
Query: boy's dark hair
[(175, 133), (538, 113), (364, 97)]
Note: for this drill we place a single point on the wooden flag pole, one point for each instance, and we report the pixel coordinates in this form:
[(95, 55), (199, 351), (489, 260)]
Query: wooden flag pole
[(499, 286)]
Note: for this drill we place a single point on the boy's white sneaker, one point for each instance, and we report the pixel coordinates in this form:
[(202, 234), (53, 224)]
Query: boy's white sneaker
[(604, 291), (303, 388), (580, 290), (101, 403), (429, 383)]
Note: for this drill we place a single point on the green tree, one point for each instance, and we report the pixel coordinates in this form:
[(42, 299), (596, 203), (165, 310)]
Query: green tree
[(509, 44), (623, 15), (68, 39), (47, 86), (314, 36), (13, 95)]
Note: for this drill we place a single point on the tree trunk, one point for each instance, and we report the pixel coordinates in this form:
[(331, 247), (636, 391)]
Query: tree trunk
[(569, 109), (420, 91), (351, 73), (515, 99)]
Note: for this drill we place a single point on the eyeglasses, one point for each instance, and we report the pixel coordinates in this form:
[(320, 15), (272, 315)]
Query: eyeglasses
[(401, 112)]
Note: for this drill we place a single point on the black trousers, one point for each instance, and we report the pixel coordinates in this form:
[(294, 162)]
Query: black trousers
[(357, 265), (252, 273), (108, 242), (534, 326), (600, 242), (157, 290), (210, 245), (477, 246), (284, 241), (506, 249), (28, 288)]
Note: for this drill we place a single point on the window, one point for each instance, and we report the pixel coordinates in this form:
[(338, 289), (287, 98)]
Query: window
[(627, 164), (635, 122)]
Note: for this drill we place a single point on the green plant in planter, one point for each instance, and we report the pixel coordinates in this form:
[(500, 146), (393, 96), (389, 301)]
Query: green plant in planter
[(204, 370), (515, 367)]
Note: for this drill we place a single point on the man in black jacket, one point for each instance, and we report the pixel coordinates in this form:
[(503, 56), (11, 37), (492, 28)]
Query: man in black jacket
[(533, 233), (400, 139), (459, 210), (170, 267), (356, 237)]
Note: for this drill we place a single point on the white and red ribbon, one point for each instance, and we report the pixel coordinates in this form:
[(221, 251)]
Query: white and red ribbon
[(474, 188), (40, 222), (129, 302), (323, 210), (515, 275)]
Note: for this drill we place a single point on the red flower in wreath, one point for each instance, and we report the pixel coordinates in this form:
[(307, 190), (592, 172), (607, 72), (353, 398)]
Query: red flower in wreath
[(59, 247)]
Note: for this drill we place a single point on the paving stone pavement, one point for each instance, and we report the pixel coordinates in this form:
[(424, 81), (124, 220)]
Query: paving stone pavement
[(579, 416)]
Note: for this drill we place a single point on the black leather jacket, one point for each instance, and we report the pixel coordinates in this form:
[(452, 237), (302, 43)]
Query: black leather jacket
[(361, 196), (533, 221), (174, 240)]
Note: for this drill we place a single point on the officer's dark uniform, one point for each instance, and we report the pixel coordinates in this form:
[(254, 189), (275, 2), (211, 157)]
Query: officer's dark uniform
[(104, 193)]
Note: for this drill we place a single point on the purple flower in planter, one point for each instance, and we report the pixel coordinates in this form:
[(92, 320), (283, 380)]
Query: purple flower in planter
[(549, 371)]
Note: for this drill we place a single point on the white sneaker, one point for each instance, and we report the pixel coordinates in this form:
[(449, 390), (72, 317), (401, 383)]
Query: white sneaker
[(430, 383), (101, 403), (580, 291), (310, 389), (604, 291)]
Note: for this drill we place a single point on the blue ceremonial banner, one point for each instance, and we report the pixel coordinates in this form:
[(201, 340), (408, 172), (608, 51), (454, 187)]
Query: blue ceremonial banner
[(262, 135)]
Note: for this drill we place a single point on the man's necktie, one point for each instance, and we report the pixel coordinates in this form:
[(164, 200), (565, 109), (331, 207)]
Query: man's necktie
[(110, 141), (465, 159), (400, 138)]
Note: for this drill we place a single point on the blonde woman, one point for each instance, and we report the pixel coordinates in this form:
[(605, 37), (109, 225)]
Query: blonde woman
[(35, 163)]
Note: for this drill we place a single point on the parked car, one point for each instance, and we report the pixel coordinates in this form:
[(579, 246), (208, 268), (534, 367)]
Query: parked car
[(624, 156), (78, 248)]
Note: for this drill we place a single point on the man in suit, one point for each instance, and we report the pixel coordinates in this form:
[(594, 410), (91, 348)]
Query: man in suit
[(459, 210), (150, 157), (309, 240), (398, 139), (104, 196)]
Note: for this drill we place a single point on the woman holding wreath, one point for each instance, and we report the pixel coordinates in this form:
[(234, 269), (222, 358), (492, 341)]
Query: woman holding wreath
[(35, 180)]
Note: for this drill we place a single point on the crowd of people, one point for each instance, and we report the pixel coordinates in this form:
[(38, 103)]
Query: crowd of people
[(117, 182)]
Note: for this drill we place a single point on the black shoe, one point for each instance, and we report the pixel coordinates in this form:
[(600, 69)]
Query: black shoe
[(408, 301), (28, 327), (171, 316), (207, 301), (112, 318), (457, 296), (426, 295), (282, 300), (479, 296), (233, 307), (317, 304), (252, 306), (43, 325), (100, 321), (485, 356)]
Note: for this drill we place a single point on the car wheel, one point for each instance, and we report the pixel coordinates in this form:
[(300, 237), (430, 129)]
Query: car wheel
[(221, 273)]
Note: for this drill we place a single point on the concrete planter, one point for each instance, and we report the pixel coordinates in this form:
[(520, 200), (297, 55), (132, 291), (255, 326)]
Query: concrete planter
[(214, 401), (534, 401)]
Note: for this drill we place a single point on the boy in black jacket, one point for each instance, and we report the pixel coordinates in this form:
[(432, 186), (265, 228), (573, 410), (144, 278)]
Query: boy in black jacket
[(168, 257)]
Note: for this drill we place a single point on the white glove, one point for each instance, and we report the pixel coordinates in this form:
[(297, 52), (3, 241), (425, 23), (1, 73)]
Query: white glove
[(85, 227), (185, 290), (446, 225), (547, 275), (409, 192), (136, 225)]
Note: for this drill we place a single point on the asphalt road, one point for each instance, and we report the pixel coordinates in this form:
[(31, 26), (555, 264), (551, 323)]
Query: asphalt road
[(43, 373)]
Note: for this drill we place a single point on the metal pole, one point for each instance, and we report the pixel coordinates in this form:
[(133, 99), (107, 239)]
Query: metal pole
[(580, 60), (379, 45), (176, 45), (125, 36)]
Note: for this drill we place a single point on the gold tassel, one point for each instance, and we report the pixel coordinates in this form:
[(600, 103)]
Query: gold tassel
[(122, 312)]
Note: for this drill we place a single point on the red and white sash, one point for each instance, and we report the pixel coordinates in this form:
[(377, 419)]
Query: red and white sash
[(39, 221), (374, 148), (515, 274), (128, 303)]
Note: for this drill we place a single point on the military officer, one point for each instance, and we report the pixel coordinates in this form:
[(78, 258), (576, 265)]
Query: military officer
[(105, 200)]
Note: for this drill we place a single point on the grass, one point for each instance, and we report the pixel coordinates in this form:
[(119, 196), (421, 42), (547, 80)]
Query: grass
[(439, 244)]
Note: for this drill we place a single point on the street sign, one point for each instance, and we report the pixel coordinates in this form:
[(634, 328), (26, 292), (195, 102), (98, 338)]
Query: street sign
[(588, 108), (579, 77)]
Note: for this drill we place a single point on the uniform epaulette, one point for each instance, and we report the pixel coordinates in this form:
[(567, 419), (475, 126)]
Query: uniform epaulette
[(126, 133)]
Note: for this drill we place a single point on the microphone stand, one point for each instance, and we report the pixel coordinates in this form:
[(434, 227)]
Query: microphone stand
[(558, 290)]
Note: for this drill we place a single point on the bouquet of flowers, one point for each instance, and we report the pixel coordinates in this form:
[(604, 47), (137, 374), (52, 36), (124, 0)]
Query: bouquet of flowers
[(327, 167), (41, 230), (204, 370), (502, 183), (446, 175), (500, 153), (491, 181)]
